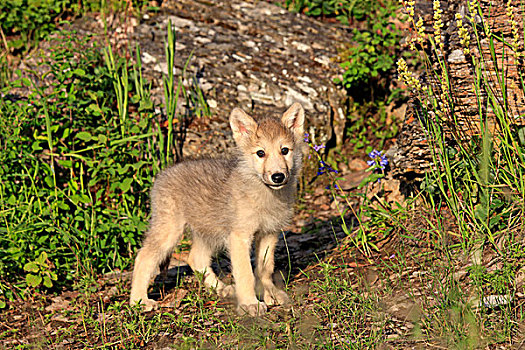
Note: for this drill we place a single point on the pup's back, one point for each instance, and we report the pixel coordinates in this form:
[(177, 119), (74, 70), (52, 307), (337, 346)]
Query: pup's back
[(199, 190)]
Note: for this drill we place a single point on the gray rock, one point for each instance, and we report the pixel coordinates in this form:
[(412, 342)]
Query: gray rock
[(254, 55)]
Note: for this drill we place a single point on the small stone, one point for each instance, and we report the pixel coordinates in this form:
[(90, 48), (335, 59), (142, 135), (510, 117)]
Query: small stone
[(493, 301), (268, 38), (357, 164), (305, 79), (520, 278), (300, 46), (311, 92), (456, 56), (490, 301), (262, 98), (253, 87), (206, 86), (147, 58), (202, 40), (239, 58), (179, 22), (324, 60), (212, 103)]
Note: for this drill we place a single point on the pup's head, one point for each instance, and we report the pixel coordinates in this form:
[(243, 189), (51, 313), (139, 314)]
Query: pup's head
[(272, 147)]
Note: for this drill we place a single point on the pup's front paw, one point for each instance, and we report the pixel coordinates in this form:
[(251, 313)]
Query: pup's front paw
[(274, 296), (254, 310), (226, 292), (146, 304)]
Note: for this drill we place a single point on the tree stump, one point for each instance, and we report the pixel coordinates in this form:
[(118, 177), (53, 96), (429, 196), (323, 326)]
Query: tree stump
[(494, 51)]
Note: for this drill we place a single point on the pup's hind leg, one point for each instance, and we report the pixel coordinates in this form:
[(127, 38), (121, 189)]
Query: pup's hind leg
[(266, 289), (200, 261), (165, 231)]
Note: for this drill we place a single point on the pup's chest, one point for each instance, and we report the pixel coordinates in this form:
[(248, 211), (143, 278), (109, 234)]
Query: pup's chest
[(273, 220), (271, 213)]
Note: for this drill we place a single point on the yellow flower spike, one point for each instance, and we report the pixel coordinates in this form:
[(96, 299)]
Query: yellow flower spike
[(409, 6), (420, 30), (514, 28), (473, 7), (407, 77), (463, 34), (438, 24)]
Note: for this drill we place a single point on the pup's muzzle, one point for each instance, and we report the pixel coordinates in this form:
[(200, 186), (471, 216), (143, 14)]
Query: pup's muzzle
[(278, 180)]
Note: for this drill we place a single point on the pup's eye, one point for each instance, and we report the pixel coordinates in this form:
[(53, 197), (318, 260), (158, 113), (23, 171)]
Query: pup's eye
[(260, 153), (284, 151)]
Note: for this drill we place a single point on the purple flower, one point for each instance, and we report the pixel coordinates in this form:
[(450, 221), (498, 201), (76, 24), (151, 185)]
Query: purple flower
[(325, 168), (378, 159), (335, 186), (306, 135)]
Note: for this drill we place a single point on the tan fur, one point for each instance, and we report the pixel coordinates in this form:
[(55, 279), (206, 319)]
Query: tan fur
[(229, 203)]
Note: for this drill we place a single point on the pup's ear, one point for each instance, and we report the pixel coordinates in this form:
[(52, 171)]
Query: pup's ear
[(293, 118), (242, 124)]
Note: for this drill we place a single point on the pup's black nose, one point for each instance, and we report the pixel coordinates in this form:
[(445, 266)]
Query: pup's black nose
[(278, 178)]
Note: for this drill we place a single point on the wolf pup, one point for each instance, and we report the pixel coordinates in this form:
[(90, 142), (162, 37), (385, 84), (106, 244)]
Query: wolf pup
[(228, 203)]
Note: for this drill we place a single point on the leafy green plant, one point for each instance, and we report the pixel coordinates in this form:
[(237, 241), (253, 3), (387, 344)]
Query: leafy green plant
[(25, 22), (40, 272), (77, 159), (370, 126), (67, 171), (29, 19), (343, 10), (373, 50), (369, 56)]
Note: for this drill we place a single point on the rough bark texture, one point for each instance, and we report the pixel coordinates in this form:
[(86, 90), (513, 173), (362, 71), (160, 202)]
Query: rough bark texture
[(411, 156)]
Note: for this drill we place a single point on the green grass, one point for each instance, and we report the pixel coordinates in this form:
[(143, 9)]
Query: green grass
[(200, 321), (72, 170), (335, 306)]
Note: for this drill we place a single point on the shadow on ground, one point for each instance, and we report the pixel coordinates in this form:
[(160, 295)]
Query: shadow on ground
[(295, 251)]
